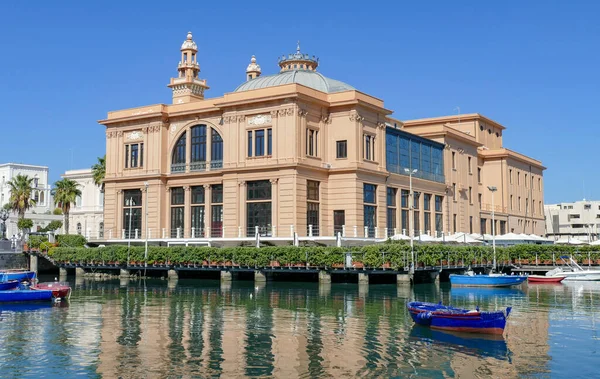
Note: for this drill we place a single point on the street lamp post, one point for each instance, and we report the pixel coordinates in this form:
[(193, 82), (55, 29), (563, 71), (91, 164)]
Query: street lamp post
[(493, 189), (411, 218), (146, 184)]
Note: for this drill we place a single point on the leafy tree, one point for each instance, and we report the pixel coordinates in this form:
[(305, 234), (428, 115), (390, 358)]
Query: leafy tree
[(24, 223), (99, 171), (20, 194), (52, 226), (57, 211), (65, 192)]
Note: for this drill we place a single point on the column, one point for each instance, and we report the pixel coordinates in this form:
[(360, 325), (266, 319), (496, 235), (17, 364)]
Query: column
[(119, 221), (207, 210), (187, 212), (275, 203), (242, 207), (168, 211)]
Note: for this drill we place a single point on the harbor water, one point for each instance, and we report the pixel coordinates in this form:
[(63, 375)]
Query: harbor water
[(203, 328)]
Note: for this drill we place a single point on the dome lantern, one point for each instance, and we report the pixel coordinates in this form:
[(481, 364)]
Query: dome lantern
[(253, 70), (298, 61)]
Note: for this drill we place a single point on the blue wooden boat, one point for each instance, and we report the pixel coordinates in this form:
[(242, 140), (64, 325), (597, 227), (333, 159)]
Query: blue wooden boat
[(438, 316), (492, 280), (19, 275), (9, 285), (25, 295)]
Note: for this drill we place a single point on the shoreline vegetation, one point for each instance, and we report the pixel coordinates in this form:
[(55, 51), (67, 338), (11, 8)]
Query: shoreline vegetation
[(384, 255)]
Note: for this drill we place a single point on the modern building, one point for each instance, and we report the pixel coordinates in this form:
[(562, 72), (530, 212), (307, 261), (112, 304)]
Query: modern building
[(296, 151), (86, 216), (41, 212), (579, 220)]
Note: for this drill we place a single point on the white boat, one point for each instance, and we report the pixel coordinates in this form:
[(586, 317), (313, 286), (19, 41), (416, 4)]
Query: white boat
[(574, 272)]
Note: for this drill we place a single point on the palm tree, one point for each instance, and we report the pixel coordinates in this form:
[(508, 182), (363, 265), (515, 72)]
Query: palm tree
[(65, 193), (20, 194), (99, 171)]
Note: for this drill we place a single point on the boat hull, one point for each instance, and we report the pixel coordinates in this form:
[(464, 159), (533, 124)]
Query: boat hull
[(9, 285), (436, 316), (25, 295), (544, 279), (486, 280), (17, 275), (59, 290)]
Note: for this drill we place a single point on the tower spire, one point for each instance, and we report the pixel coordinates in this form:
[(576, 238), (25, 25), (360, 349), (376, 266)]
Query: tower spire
[(187, 86)]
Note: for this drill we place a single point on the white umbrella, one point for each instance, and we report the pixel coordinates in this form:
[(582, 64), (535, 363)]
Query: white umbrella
[(425, 238), (569, 241), (595, 243), (462, 238)]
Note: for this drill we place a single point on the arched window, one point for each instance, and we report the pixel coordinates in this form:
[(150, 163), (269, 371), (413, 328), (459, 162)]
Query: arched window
[(198, 146), (36, 197), (216, 150), (78, 228), (178, 159), (41, 197)]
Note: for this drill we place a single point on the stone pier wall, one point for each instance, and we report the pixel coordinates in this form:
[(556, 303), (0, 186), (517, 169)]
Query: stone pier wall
[(12, 261)]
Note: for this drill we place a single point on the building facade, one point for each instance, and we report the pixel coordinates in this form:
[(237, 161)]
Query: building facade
[(579, 220), (41, 212), (86, 216), (296, 152)]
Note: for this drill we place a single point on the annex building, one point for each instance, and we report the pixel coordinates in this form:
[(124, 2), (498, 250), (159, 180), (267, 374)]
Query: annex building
[(299, 152)]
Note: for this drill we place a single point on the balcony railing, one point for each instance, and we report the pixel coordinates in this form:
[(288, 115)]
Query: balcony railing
[(496, 208), (179, 168)]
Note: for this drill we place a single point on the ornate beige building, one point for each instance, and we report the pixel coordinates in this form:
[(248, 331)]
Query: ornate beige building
[(297, 152)]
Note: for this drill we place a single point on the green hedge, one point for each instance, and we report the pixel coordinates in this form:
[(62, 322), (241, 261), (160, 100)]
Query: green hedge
[(71, 240), (390, 255), (36, 240)]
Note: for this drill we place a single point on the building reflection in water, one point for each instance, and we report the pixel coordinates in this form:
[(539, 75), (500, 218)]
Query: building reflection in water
[(293, 330)]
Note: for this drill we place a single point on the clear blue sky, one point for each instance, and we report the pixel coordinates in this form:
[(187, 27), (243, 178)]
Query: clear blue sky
[(533, 66)]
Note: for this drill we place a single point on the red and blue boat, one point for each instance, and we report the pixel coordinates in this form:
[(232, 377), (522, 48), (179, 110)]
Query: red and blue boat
[(442, 317), (18, 295), (491, 280)]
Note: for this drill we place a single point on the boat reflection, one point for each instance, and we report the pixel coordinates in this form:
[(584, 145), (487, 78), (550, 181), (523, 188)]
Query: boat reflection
[(25, 307), (472, 293), (478, 345)]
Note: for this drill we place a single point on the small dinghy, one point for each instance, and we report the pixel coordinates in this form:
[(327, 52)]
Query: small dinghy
[(438, 316), (9, 285), (60, 290), (17, 295), (545, 279), (18, 275)]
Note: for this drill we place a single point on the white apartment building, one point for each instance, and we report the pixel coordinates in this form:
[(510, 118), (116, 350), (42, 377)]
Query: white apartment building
[(41, 213), (580, 219), (87, 214)]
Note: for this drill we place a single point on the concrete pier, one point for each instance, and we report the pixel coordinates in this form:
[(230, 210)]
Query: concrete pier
[(123, 273), (172, 275), (226, 276), (79, 272), (404, 279), (363, 278), (33, 263), (259, 276), (324, 277), (62, 272)]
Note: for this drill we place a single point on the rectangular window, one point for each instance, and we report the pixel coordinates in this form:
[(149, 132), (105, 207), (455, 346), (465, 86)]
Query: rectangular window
[(518, 178), (454, 191), (454, 160), (471, 224), (470, 168), (132, 212), (439, 200), (341, 148), (526, 185), (141, 155), (479, 198), (259, 143), (339, 220), (177, 196), (250, 143), (427, 202), (405, 152), (416, 199), (391, 196), (370, 220), (216, 225), (258, 190), (439, 224), (502, 227), (312, 217), (519, 203), (126, 156), (312, 190), (417, 223), (405, 225), (198, 195), (217, 193), (369, 193), (368, 147), (511, 202), (510, 176), (470, 194), (404, 194), (427, 221), (478, 175), (482, 225), (454, 223), (311, 142), (269, 141), (198, 223), (134, 156)]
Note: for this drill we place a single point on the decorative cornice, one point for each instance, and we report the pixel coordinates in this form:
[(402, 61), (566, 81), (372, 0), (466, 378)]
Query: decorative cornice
[(273, 113), (260, 119), (302, 112), (326, 118), (274, 181), (381, 125), (135, 135), (355, 116)]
